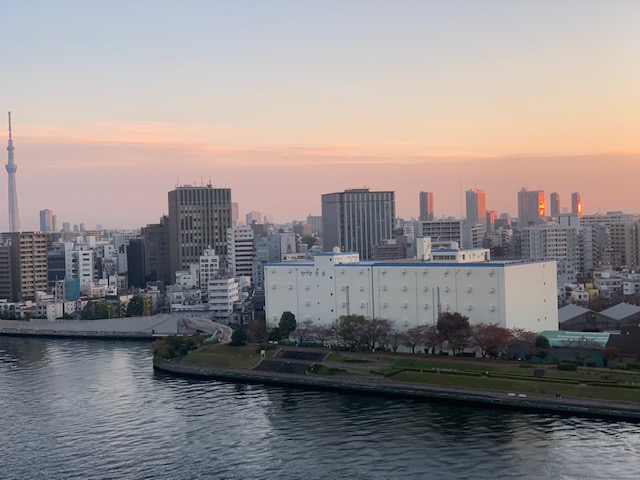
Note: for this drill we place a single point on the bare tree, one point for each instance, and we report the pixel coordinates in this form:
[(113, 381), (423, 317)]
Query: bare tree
[(413, 338), (303, 331), (376, 330), (323, 333), (395, 338), (581, 347)]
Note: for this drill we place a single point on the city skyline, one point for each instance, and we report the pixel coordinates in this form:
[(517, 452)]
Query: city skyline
[(111, 111)]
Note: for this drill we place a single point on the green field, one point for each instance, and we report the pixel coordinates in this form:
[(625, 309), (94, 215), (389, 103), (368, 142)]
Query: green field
[(521, 386), (226, 356)]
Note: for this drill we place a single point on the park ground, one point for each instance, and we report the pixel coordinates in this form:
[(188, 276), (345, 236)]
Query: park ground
[(481, 374)]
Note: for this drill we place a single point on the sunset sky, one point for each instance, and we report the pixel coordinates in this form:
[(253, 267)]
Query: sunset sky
[(114, 103)]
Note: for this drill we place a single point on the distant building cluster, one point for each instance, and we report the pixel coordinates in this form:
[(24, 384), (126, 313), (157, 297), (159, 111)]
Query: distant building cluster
[(357, 256)]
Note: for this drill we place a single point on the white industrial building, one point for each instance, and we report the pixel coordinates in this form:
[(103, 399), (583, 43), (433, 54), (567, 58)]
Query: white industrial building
[(512, 294)]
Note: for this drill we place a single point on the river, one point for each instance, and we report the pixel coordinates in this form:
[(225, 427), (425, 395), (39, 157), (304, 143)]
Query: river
[(95, 409)]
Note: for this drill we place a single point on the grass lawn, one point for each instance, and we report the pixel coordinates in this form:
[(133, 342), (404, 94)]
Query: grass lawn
[(226, 356), (521, 369), (521, 386), (340, 358)]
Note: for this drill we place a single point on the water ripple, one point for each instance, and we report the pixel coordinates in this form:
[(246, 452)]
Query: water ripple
[(76, 409)]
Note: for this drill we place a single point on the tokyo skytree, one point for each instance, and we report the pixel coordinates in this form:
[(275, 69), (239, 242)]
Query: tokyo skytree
[(14, 215)]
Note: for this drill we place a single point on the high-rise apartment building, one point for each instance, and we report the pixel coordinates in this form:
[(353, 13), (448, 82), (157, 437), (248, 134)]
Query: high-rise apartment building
[(27, 265), (355, 220), (476, 203), (551, 241), (576, 204), (531, 207), (198, 218), (240, 251), (426, 207), (46, 220), (555, 205)]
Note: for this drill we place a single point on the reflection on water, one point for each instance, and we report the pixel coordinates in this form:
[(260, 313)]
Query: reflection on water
[(95, 409)]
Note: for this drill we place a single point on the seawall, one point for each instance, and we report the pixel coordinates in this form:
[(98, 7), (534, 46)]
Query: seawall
[(432, 393)]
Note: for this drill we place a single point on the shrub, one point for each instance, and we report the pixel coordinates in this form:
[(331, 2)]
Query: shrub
[(568, 367)]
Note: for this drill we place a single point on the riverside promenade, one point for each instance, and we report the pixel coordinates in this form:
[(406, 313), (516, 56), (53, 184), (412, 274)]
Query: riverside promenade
[(143, 328), (373, 384)]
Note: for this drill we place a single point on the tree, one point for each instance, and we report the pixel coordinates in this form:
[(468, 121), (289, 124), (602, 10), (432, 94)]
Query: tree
[(238, 338), (431, 339), (522, 343), (135, 307), (542, 344), (304, 331), (395, 338), (610, 354), (257, 330), (413, 337), (323, 333), (287, 324), (98, 311), (350, 331), (490, 338), (454, 328), (581, 347), (376, 329)]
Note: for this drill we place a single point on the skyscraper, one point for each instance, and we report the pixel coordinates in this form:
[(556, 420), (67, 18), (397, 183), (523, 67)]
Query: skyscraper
[(555, 204), (356, 220), (426, 207), (576, 204), (253, 217), (198, 218), (531, 207), (156, 251), (476, 207), (46, 220), (14, 215)]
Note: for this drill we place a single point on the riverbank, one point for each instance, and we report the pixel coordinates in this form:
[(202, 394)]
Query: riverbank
[(375, 384), (128, 328)]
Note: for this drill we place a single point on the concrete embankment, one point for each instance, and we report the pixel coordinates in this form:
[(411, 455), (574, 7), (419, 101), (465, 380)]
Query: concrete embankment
[(384, 387), (131, 328)]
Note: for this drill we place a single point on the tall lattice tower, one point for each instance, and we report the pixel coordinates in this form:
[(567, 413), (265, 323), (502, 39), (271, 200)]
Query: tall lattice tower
[(14, 215)]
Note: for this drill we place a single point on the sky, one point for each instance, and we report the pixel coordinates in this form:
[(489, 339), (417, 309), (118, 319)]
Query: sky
[(115, 103)]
